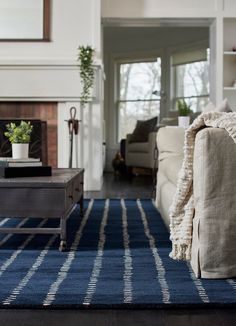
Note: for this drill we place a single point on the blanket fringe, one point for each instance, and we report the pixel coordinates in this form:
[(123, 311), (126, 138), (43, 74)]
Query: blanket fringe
[(180, 252)]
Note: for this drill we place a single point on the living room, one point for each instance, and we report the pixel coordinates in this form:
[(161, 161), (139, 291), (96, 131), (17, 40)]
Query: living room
[(115, 256)]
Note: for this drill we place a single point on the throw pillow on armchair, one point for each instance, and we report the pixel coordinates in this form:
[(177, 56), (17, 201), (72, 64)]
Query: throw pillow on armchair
[(142, 130)]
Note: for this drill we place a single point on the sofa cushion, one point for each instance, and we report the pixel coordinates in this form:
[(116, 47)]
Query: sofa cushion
[(142, 130), (223, 107)]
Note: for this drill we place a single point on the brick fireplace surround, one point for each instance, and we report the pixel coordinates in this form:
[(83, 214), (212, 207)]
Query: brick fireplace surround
[(46, 111)]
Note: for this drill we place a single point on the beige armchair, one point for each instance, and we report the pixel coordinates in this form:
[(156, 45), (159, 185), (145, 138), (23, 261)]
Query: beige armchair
[(141, 154)]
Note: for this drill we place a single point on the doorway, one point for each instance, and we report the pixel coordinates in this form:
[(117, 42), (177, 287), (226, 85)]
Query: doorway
[(126, 47)]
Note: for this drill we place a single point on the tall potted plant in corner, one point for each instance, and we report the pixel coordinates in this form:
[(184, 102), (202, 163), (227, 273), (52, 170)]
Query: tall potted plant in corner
[(19, 137), (184, 114), (85, 59)]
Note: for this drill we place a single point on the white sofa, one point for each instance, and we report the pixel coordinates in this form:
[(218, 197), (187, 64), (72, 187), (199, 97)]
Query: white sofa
[(214, 188), (170, 142)]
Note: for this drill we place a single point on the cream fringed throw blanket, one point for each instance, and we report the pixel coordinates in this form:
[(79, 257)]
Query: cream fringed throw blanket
[(182, 208)]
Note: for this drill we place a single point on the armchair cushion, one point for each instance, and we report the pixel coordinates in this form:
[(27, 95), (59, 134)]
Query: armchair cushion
[(142, 130)]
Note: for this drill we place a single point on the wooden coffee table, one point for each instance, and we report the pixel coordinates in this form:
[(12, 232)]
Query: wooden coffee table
[(42, 197)]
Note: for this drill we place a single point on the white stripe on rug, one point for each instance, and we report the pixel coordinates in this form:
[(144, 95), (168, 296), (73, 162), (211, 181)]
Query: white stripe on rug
[(10, 260), (7, 237), (158, 261), (128, 288), (98, 260), (4, 221), (12, 297), (62, 274), (198, 283)]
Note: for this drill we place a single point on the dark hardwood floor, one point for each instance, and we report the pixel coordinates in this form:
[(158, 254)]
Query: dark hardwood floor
[(140, 187)]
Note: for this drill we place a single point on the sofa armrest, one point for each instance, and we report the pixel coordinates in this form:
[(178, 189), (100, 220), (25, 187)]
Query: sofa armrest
[(214, 188), (152, 139), (128, 138), (127, 147)]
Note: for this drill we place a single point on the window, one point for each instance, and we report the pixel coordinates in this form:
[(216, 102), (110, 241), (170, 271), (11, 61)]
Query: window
[(191, 80), (138, 94)]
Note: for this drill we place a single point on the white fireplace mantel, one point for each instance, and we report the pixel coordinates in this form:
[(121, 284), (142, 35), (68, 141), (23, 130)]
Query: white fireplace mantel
[(45, 80)]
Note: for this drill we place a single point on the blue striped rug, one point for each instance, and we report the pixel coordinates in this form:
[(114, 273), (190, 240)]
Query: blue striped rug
[(117, 258)]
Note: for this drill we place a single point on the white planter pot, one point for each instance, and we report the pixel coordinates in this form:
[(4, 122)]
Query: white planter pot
[(184, 122), (20, 151)]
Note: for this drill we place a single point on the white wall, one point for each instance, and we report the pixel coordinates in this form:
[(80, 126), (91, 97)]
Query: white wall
[(120, 42), (44, 71)]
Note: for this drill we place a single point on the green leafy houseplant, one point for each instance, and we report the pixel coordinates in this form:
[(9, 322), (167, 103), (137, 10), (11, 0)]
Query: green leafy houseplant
[(85, 59), (19, 134), (183, 108)]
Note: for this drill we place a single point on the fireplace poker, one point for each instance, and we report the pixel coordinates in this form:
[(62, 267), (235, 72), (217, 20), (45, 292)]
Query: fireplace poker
[(73, 126)]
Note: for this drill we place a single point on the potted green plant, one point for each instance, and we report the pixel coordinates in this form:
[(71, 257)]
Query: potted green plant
[(184, 114), (85, 59), (19, 136)]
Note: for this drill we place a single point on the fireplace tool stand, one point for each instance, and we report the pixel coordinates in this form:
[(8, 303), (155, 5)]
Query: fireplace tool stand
[(73, 126)]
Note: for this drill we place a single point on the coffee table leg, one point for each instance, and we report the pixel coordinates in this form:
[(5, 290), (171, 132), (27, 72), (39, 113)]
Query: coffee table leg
[(63, 234), (81, 203)]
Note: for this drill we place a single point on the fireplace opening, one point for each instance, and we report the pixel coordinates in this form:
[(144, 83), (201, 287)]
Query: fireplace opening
[(44, 111)]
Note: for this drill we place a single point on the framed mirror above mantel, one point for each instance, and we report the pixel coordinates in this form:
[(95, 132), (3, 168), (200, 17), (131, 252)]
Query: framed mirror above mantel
[(24, 20)]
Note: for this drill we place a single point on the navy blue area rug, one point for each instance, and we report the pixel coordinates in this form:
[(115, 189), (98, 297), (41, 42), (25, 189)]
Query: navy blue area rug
[(117, 258)]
